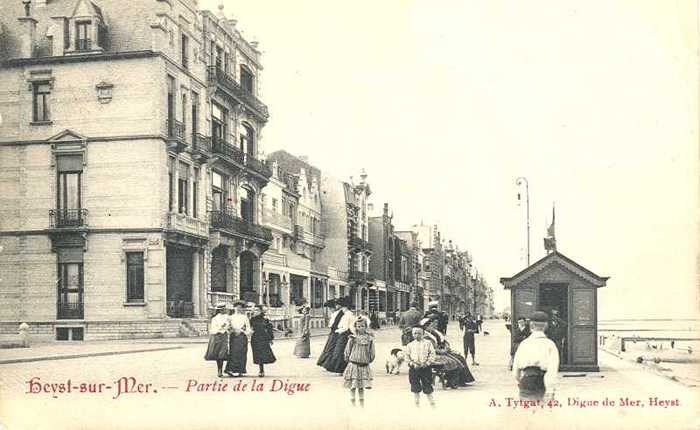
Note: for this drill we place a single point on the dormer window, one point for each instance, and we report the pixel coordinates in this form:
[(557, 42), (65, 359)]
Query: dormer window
[(83, 41), (86, 28)]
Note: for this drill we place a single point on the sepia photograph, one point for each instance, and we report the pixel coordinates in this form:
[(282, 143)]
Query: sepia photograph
[(388, 214)]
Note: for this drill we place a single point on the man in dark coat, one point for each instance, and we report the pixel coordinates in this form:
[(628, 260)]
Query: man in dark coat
[(556, 331), (521, 332), (408, 320), (469, 326)]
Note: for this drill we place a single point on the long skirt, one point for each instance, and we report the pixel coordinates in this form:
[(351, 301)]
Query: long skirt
[(217, 348), (262, 352), (337, 362), (302, 348), (327, 353), (458, 374), (238, 353), (357, 376)]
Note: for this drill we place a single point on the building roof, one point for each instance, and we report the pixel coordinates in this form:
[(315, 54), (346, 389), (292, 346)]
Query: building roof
[(555, 258)]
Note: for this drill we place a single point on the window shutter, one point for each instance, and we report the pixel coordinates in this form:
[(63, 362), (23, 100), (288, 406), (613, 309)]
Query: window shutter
[(70, 163)]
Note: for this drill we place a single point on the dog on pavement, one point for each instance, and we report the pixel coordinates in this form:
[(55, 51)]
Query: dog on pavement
[(394, 362)]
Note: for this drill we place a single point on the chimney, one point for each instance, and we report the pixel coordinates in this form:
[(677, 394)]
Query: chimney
[(28, 36), (386, 209), (304, 158)]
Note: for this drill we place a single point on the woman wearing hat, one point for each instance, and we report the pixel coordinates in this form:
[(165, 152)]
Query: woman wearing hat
[(337, 361), (217, 350), (336, 316), (261, 339), (239, 327), (302, 348)]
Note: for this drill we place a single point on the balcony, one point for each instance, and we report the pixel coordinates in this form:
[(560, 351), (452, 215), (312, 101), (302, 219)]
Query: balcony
[(232, 224), (176, 135), (360, 245), (360, 276), (216, 76), (201, 146), (69, 310), (68, 218), (298, 232), (257, 166), (230, 153), (277, 219), (181, 222)]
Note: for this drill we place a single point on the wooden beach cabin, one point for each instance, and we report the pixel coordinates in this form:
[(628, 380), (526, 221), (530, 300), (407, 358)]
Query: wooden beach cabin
[(558, 282)]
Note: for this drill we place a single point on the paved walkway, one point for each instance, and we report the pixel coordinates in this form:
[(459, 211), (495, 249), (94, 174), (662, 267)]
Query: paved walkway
[(284, 403)]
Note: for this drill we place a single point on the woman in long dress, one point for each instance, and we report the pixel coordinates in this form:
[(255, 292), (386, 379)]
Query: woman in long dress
[(456, 370), (302, 348), (337, 361), (261, 339), (217, 350), (327, 353), (239, 326)]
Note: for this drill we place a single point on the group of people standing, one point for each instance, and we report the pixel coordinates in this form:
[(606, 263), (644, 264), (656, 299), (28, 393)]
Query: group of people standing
[(229, 331)]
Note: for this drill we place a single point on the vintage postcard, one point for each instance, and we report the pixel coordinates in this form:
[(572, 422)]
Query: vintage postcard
[(301, 214)]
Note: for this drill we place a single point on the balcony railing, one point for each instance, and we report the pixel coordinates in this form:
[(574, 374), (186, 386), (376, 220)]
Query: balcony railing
[(277, 219), (83, 45), (221, 147), (67, 218), (176, 134), (180, 309), (358, 275), (69, 310), (201, 145), (217, 75), (227, 221), (358, 244), (257, 166)]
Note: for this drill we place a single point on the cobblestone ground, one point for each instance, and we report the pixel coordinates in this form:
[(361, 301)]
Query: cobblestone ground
[(168, 404)]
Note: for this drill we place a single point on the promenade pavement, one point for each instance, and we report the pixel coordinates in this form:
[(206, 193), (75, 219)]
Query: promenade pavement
[(184, 392)]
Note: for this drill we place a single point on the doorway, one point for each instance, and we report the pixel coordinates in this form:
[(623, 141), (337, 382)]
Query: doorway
[(556, 297)]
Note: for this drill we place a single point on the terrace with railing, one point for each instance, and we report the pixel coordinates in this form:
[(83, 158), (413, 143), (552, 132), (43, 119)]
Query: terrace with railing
[(201, 146), (227, 221), (217, 76), (175, 131)]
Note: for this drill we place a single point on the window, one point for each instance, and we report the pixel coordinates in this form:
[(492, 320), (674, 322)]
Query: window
[(227, 61), (171, 173), (184, 110), (217, 191), (218, 123), (82, 36), (40, 101), (68, 187), (195, 114), (183, 175), (195, 192), (171, 100), (246, 79), (70, 283), (274, 206), (184, 49), (247, 140), (66, 33), (134, 277), (247, 204)]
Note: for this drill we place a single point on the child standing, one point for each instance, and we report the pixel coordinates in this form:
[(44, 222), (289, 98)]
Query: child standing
[(359, 353), (420, 354)]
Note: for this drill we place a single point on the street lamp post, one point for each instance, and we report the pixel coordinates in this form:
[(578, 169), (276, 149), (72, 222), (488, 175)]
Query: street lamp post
[(519, 182)]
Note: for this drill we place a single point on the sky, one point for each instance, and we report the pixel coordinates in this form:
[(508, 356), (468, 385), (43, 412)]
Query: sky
[(446, 103)]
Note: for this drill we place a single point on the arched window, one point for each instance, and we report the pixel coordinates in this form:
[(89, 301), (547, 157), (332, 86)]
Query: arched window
[(247, 139)]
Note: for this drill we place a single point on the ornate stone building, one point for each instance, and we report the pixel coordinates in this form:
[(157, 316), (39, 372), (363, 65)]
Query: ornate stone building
[(129, 165)]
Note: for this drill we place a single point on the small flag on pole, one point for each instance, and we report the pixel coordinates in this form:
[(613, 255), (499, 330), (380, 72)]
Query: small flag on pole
[(550, 242)]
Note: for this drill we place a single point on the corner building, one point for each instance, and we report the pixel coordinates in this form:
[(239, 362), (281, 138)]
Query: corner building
[(129, 168)]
